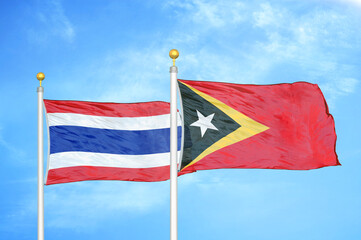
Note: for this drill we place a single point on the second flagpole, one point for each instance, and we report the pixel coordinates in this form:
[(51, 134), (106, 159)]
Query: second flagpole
[(173, 148)]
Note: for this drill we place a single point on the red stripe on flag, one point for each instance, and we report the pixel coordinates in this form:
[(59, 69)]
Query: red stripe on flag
[(144, 109), (84, 173)]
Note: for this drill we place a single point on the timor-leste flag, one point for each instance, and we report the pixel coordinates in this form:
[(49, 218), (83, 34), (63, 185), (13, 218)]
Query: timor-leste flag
[(281, 126)]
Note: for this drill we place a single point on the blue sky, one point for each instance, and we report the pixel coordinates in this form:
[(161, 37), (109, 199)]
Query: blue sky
[(118, 51)]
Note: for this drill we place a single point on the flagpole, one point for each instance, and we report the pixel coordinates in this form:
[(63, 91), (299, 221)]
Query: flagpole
[(40, 76), (173, 148)]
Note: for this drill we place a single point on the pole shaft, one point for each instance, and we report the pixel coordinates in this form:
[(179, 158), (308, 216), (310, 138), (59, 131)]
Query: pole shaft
[(173, 154), (40, 91)]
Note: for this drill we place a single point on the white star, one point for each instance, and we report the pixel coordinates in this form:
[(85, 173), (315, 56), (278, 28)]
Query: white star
[(204, 123)]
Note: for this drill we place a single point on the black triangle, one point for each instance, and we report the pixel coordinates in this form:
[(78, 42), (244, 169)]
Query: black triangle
[(194, 143)]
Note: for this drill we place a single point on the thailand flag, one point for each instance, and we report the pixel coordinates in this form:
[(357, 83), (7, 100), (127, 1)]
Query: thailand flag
[(108, 141)]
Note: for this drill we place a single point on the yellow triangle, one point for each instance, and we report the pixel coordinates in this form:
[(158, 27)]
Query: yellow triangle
[(249, 127)]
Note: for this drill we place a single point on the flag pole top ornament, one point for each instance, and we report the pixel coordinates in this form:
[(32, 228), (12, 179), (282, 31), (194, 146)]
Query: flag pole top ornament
[(40, 76), (173, 54)]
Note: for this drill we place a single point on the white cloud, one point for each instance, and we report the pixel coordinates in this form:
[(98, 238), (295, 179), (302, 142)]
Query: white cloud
[(86, 204), (123, 75), (83, 206), (135, 75), (335, 88), (267, 16), (356, 3), (23, 214), (348, 85), (309, 41), (211, 13), (13, 151), (52, 22)]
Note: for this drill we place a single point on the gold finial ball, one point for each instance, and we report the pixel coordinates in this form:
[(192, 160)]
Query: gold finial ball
[(40, 76), (173, 53)]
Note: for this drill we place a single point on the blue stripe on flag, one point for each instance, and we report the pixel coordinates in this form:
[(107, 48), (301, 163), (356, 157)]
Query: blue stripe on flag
[(84, 139)]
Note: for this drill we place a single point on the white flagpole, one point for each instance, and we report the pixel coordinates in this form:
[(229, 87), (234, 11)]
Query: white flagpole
[(40, 76), (173, 148)]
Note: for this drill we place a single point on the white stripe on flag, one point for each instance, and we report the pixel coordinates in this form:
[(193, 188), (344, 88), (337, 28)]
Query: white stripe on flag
[(73, 159), (117, 123)]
